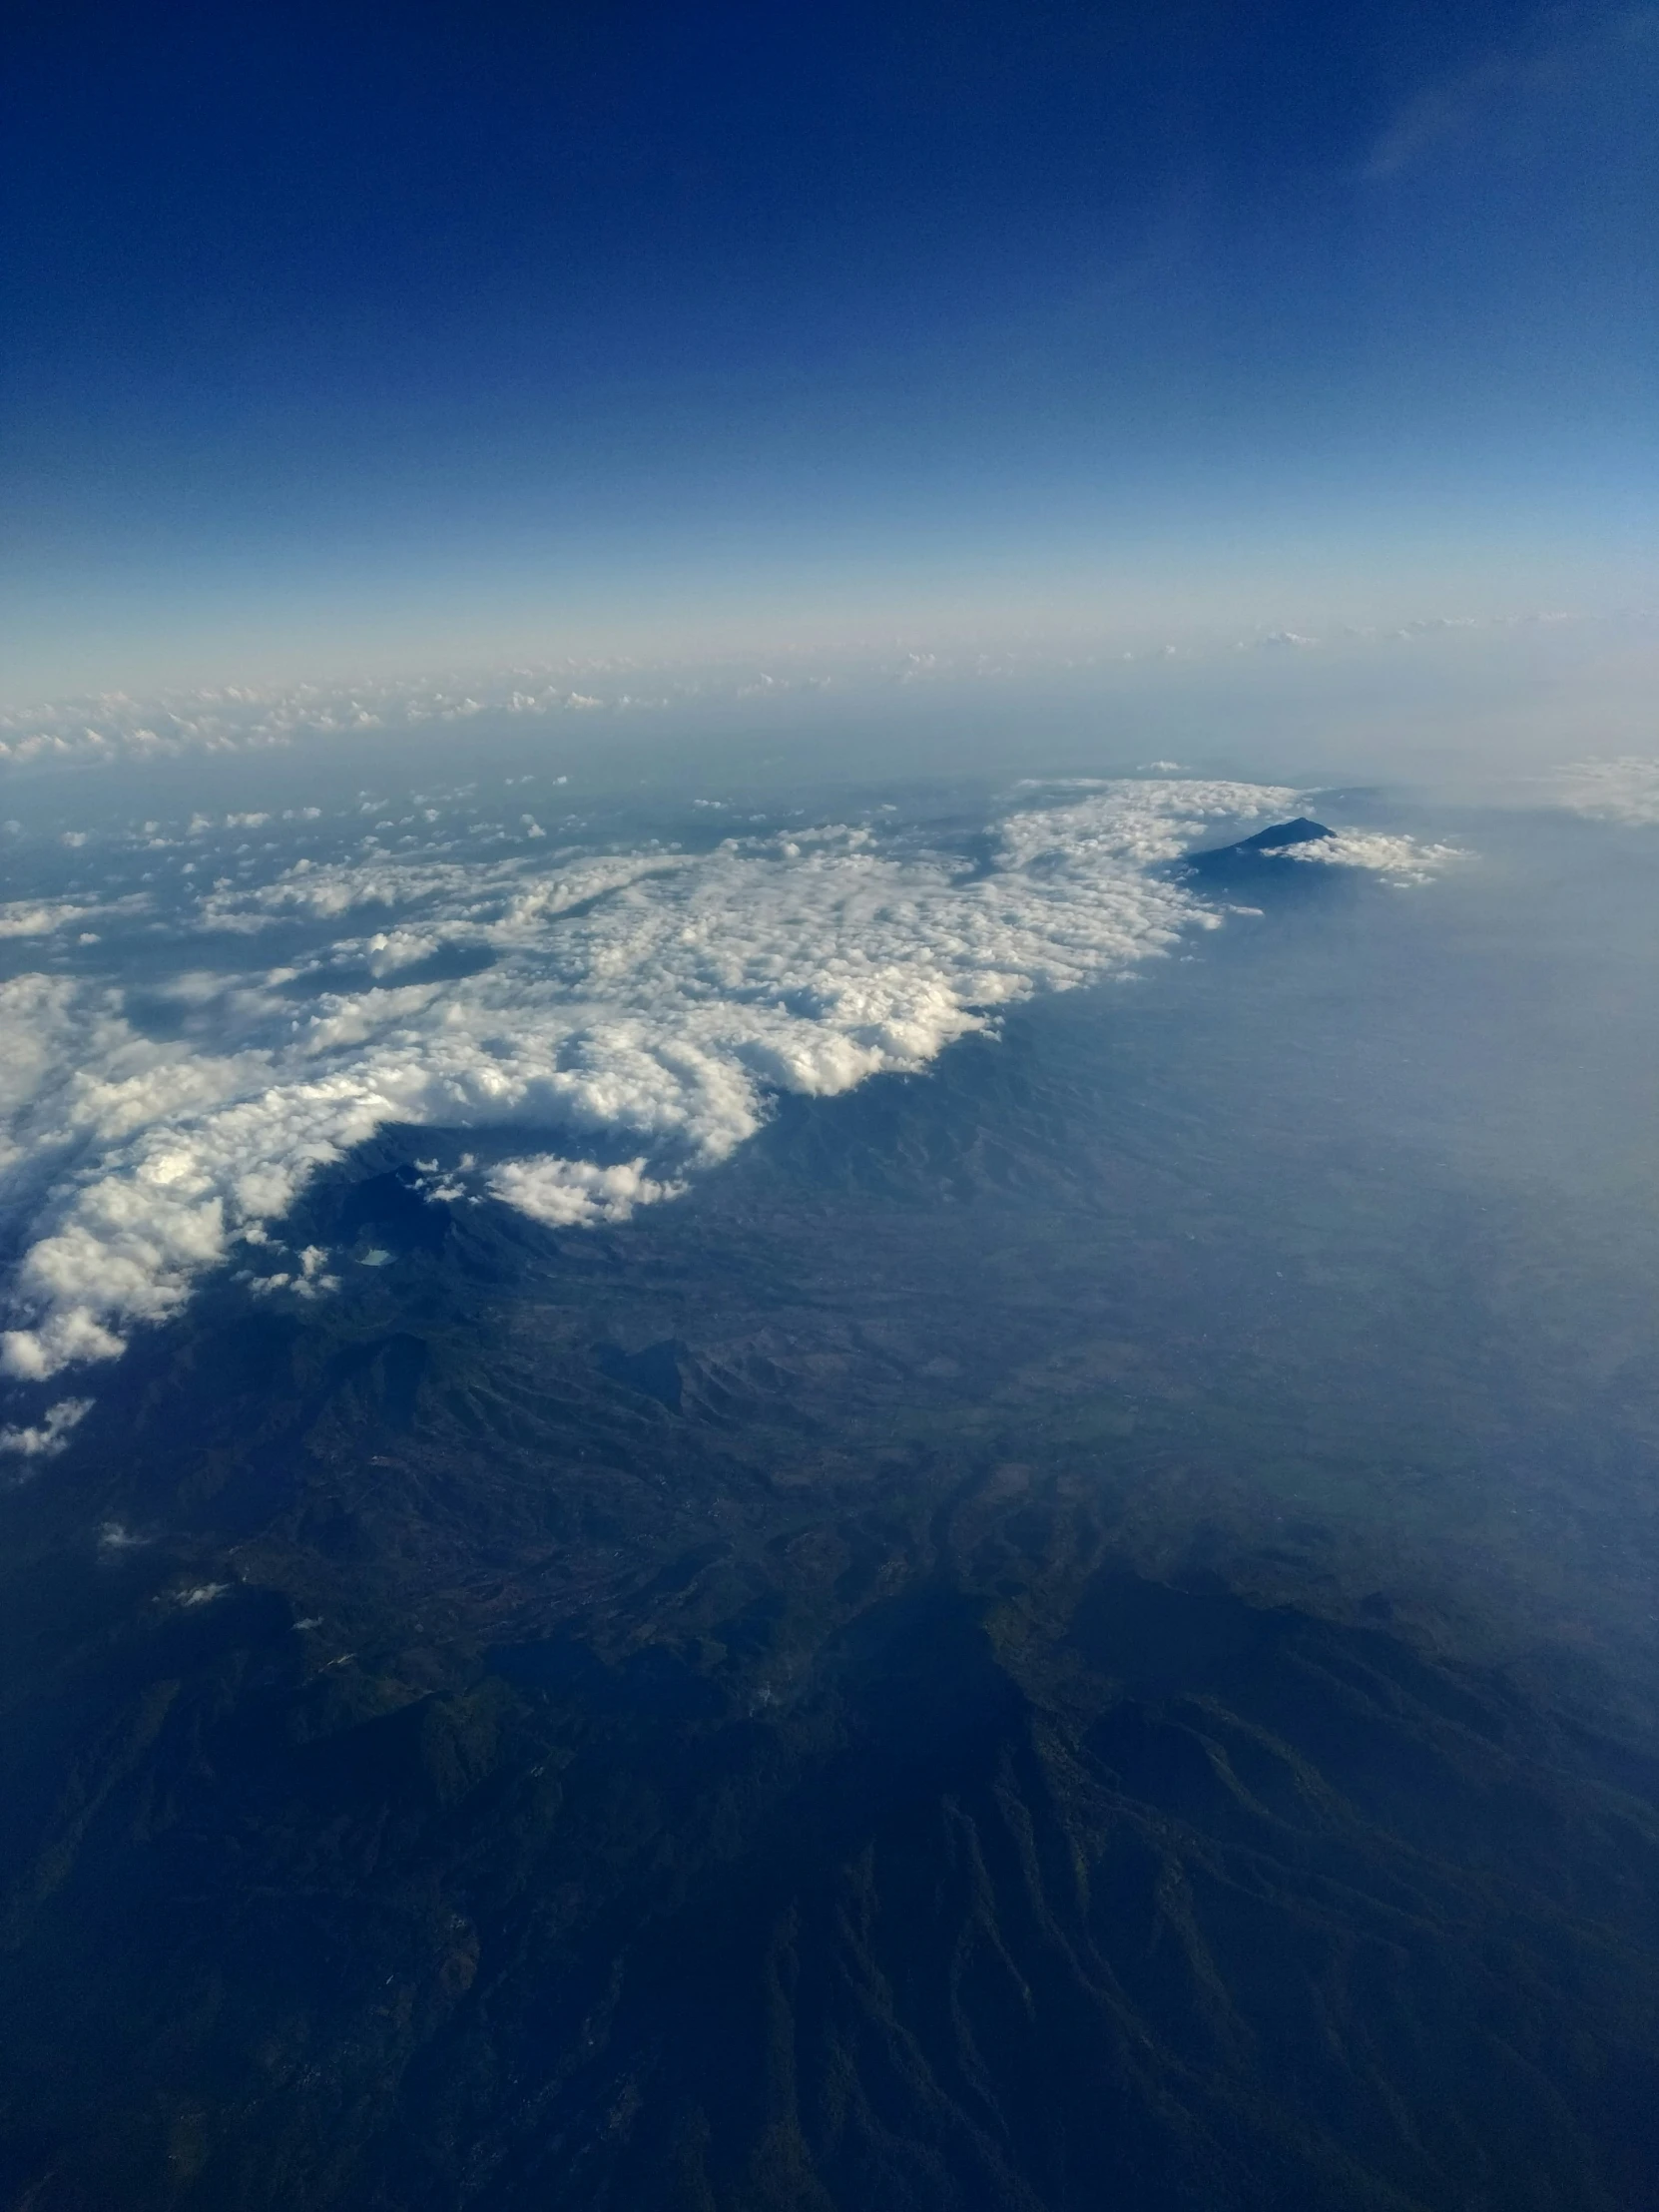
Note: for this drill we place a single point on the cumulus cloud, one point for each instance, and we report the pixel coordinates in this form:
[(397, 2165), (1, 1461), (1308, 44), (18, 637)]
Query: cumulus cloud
[(569, 1193), (241, 717), (1398, 858), (307, 1280), (1625, 789), (650, 1002), (45, 918), (47, 1436)]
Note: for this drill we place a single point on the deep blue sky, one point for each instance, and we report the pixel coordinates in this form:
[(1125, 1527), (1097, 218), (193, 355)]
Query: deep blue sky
[(339, 334)]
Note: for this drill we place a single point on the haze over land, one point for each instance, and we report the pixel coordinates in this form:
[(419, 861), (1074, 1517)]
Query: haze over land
[(829, 1015), (641, 1405)]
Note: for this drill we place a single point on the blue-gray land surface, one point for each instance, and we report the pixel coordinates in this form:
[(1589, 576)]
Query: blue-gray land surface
[(1074, 1629)]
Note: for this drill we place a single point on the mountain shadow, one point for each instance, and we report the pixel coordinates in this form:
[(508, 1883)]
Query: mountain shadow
[(993, 1896)]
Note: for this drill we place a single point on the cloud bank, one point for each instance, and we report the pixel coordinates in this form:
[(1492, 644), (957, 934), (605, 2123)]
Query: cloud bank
[(243, 719), (115, 727), (1625, 789), (646, 1005), (1397, 859)]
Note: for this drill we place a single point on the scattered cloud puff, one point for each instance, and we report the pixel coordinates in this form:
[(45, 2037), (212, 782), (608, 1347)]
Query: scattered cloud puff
[(47, 1436), (650, 1002), (1399, 860), (45, 918), (568, 1194), (1625, 789), (306, 1281)]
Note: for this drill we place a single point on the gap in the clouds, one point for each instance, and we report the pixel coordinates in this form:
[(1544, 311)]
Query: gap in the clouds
[(449, 963), (416, 1188)]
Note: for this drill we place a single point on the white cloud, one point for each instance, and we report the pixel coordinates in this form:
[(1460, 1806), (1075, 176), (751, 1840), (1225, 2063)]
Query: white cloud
[(43, 917), (236, 718), (653, 1000), (1625, 789), (305, 1281), (576, 1193), (1399, 860), (229, 719), (47, 1436)]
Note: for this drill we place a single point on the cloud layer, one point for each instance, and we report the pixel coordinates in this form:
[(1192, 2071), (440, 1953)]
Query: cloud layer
[(242, 719), (114, 727), (645, 1004), (1625, 789), (1397, 859)]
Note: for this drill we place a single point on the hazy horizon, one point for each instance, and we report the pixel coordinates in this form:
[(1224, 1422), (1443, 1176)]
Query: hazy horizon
[(620, 331), (829, 1022)]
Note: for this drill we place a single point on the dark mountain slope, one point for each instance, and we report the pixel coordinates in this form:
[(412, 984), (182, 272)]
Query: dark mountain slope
[(729, 1711), (1261, 859), (1101, 1892)]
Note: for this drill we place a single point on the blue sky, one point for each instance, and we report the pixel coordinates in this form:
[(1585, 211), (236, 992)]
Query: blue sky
[(338, 337)]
